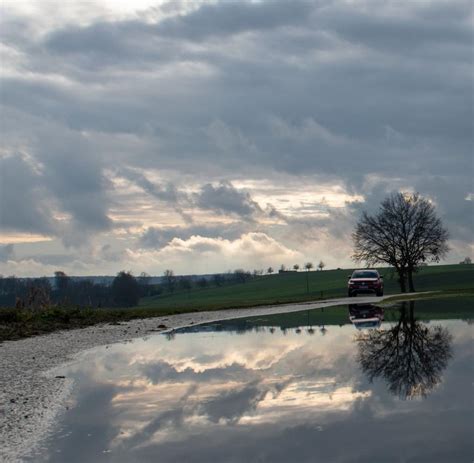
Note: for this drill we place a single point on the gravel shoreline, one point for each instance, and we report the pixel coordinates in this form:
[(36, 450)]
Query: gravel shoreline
[(32, 397)]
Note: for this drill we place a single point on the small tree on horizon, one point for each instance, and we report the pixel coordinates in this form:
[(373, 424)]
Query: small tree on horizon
[(296, 267), (308, 266), (404, 233), (170, 280), (144, 282), (61, 282), (270, 270), (321, 265)]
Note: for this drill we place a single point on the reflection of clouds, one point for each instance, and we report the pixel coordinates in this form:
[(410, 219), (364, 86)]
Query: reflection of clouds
[(193, 396), (303, 398), (248, 382)]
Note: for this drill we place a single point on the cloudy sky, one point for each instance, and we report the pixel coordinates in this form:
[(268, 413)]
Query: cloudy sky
[(205, 136)]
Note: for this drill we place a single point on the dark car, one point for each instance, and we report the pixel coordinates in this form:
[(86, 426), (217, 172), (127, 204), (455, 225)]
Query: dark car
[(365, 281)]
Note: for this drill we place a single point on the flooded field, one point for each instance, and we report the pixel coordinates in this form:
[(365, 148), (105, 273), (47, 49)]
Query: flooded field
[(358, 383)]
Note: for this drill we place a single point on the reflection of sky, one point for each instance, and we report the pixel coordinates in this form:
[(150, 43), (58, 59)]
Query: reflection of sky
[(259, 397)]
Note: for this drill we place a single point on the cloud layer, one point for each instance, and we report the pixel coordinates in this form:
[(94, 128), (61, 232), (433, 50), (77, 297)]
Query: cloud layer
[(127, 130)]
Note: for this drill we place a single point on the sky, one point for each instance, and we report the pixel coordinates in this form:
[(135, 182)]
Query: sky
[(207, 136)]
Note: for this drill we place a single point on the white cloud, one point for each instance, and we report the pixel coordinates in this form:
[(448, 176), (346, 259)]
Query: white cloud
[(199, 254)]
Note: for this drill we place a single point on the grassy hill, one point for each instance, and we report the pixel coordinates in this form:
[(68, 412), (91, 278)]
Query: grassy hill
[(291, 287)]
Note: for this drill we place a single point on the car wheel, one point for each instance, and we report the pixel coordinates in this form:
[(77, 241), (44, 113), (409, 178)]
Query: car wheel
[(349, 294), (379, 293)]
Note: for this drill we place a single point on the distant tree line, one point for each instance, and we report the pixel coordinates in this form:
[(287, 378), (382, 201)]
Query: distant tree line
[(125, 290), (172, 283), (34, 293)]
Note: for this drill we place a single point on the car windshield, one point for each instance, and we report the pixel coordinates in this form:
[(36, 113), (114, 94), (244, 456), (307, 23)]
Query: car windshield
[(365, 274)]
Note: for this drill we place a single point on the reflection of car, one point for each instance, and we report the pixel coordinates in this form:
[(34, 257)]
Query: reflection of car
[(365, 315), (365, 282)]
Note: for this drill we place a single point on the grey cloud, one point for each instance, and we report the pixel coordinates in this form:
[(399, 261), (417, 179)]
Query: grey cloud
[(226, 199), (231, 405), (6, 252), (115, 39), (168, 192), (453, 207), (157, 238), (23, 200), (61, 174), (51, 259), (108, 253), (229, 18), (402, 29), (74, 175)]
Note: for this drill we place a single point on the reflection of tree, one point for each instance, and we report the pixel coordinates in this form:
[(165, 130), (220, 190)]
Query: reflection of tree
[(170, 335), (410, 356)]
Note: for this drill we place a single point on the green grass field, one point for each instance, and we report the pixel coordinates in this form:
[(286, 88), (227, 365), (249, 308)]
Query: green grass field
[(291, 287)]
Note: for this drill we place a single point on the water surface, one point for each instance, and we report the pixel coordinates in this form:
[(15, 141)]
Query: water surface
[(345, 385)]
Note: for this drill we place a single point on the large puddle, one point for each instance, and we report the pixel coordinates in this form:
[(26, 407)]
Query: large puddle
[(347, 384)]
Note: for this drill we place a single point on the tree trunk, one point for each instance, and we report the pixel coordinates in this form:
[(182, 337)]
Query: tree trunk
[(411, 286), (402, 280), (412, 313)]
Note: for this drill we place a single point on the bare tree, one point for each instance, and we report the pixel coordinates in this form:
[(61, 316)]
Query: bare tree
[(308, 266), (321, 265), (170, 280), (404, 233), (410, 356), (296, 267), (144, 282)]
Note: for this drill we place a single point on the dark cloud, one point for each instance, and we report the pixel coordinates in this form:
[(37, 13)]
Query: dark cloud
[(226, 199)]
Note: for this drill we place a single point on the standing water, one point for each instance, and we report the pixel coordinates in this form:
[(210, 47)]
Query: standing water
[(348, 384)]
